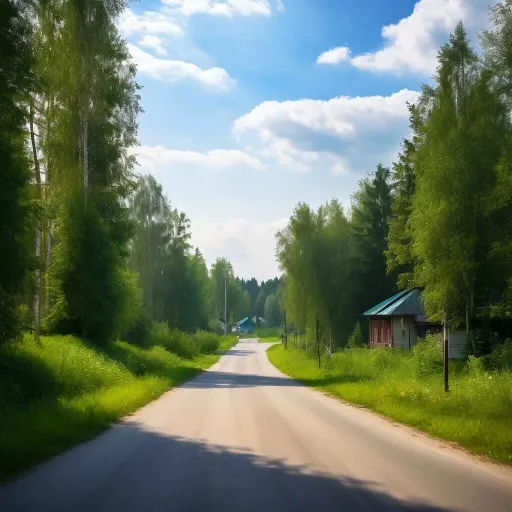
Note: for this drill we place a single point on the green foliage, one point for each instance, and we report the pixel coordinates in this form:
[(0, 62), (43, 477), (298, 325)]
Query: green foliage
[(476, 413), (93, 294), (175, 341), (500, 358), (15, 81), (356, 338), (206, 342), (428, 356)]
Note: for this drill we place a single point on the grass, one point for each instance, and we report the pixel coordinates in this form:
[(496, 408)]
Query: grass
[(476, 414), (269, 339), (65, 392)]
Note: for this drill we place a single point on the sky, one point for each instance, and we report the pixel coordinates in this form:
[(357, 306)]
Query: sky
[(251, 106)]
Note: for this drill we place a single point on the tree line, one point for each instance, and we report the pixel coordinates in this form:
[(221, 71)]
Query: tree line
[(87, 246), (440, 218)]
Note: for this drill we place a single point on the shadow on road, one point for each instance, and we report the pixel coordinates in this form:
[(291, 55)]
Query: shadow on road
[(130, 469), (213, 379)]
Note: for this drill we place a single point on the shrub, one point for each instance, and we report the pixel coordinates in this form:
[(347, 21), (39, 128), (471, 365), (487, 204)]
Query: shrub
[(271, 332), (206, 342), (500, 358), (356, 337), (475, 366), (174, 341), (428, 356), (140, 333)]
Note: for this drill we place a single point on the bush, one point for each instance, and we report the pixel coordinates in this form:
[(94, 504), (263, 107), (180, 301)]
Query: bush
[(428, 356), (206, 342), (174, 341), (500, 358), (271, 332), (356, 338), (475, 366), (140, 333)]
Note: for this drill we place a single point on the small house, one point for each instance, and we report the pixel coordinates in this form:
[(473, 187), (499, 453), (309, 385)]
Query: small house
[(246, 326), (394, 321), (399, 321)]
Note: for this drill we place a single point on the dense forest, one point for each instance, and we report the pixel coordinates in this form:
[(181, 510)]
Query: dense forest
[(440, 218), (88, 246)]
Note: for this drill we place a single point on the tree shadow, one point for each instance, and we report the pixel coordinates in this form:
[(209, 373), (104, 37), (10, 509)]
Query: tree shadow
[(235, 352), (335, 379), (132, 469), (214, 379)]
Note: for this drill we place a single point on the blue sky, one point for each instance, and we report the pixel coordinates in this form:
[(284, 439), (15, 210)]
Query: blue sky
[(254, 105)]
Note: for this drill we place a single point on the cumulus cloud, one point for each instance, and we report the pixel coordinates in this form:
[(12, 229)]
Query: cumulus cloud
[(250, 246), (227, 8), (348, 133), (175, 70), (334, 56), (149, 22), (156, 159), (153, 42), (411, 45)]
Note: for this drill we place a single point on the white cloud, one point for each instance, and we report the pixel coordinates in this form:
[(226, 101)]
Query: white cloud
[(158, 159), (347, 133), (250, 246), (227, 8), (334, 56), (149, 22), (176, 70), (411, 45), (280, 6), (153, 42)]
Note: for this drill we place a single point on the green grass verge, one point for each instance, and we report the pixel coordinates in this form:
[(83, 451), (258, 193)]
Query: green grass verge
[(269, 339), (476, 414), (65, 392)]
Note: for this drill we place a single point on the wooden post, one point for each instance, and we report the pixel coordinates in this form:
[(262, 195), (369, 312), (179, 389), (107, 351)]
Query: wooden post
[(285, 331), (317, 343), (445, 357)]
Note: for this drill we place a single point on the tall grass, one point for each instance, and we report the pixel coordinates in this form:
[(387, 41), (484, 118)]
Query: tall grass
[(408, 387), (66, 391)]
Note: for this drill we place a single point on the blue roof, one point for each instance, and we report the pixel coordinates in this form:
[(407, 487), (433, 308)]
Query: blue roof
[(245, 320), (407, 302), (385, 303)]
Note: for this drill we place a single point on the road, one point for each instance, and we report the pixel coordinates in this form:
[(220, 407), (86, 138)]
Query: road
[(243, 437)]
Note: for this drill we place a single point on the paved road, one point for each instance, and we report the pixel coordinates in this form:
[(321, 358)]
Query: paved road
[(243, 437)]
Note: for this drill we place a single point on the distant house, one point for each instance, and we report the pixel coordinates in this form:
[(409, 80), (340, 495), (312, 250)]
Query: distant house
[(400, 320), (246, 326)]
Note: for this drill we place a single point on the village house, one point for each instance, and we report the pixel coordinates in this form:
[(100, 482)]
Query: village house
[(399, 321), (246, 326)]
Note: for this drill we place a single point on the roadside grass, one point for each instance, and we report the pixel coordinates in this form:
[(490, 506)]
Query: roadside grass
[(476, 414), (269, 339), (65, 392)]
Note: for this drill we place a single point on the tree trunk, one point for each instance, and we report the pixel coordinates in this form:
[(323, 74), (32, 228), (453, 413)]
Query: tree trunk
[(317, 343), (85, 144), (49, 242), (37, 293)]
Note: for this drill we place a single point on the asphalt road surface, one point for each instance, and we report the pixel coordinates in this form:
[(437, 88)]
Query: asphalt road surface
[(243, 437)]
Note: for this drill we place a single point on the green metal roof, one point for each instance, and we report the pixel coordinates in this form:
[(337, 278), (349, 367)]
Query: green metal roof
[(407, 302)]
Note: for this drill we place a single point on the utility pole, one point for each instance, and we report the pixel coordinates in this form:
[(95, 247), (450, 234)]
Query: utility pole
[(317, 343), (225, 306), (445, 356), (285, 331)]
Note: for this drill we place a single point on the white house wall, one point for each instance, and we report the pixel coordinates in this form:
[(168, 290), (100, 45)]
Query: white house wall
[(400, 341)]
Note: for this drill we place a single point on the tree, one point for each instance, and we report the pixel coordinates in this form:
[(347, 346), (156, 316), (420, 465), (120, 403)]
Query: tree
[(15, 80), (461, 144), (94, 106), (371, 212)]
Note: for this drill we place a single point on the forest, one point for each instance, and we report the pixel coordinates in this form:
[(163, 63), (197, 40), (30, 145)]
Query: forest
[(440, 218), (89, 246)]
